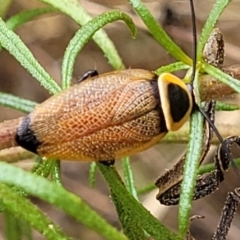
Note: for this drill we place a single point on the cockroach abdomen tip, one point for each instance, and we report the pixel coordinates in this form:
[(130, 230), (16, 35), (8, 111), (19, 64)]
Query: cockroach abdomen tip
[(25, 136)]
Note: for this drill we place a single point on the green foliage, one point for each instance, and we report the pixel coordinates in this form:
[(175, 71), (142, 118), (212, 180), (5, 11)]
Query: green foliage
[(137, 222)]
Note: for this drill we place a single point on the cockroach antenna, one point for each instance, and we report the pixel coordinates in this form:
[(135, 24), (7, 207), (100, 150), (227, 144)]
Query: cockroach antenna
[(194, 66), (194, 32)]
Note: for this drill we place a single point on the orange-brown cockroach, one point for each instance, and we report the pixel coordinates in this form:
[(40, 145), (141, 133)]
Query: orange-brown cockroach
[(107, 116)]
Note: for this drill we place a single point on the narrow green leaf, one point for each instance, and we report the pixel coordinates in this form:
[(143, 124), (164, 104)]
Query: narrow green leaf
[(209, 167), (21, 104), (128, 177), (193, 154), (77, 13), (12, 43), (222, 106), (26, 16), (26, 230), (223, 77), (213, 17), (92, 174), (83, 35), (148, 222), (173, 67), (16, 229), (58, 196), (130, 223), (44, 168), (56, 172), (190, 171), (146, 189), (24, 209), (158, 32), (206, 168), (12, 230)]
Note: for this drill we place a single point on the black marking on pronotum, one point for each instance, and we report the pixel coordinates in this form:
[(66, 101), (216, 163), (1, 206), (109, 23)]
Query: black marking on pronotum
[(26, 137), (178, 101)]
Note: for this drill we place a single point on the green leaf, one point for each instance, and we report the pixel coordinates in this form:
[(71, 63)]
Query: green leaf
[(131, 226), (56, 172), (44, 168), (58, 196), (73, 9), (12, 43), (148, 222), (24, 209), (190, 171), (128, 177), (211, 166), (222, 77), (26, 230), (12, 230), (222, 106), (25, 16), (92, 174), (146, 189), (16, 229), (213, 17), (16, 20), (173, 67), (83, 35), (158, 32), (21, 104)]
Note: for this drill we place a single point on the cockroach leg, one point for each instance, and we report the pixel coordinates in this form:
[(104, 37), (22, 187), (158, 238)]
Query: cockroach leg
[(108, 163), (88, 74)]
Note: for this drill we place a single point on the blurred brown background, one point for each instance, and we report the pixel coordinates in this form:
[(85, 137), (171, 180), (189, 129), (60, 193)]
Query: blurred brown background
[(48, 36)]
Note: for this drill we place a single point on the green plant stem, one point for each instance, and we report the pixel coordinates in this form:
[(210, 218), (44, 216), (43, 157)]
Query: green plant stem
[(11, 42), (158, 32), (190, 172), (12, 229), (213, 16), (56, 172), (222, 77), (173, 67), (83, 35), (128, 177), (21, 104)]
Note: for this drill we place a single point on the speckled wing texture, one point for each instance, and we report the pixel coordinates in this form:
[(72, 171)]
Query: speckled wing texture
[(105, 117)]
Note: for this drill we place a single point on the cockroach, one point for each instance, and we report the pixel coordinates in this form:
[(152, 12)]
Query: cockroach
[(112, 115), (107, 116)]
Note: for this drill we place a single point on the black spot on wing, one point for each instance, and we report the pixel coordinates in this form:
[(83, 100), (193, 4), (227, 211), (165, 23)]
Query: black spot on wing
[(25, 136)]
